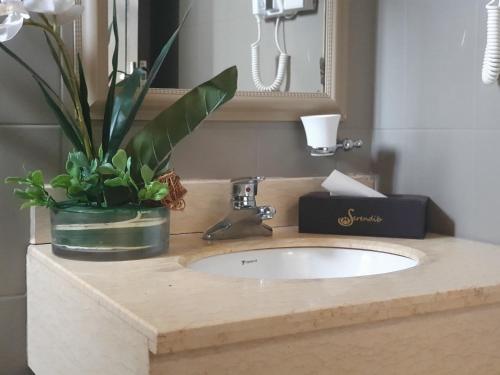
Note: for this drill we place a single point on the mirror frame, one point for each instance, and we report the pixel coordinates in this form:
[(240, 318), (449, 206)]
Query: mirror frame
[(277, 106)]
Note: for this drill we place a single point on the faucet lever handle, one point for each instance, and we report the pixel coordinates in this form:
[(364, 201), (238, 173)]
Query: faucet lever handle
[(245, 186), (267, 212)]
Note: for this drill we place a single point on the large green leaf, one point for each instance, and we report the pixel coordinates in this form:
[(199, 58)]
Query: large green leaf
[(27, 67), (66, 122), (128, 102), (71, 85), (83, 93), (84, 100), (126, 93), (110, 100), (57, 58), (153, 145)]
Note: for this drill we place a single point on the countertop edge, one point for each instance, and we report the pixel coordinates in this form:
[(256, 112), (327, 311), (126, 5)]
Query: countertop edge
[(337, 317)]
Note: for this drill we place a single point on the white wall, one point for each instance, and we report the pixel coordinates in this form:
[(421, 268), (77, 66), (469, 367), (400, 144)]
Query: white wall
[(437, 126)]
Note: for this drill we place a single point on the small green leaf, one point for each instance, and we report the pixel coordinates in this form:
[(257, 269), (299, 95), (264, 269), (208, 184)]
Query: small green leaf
[(107, 169), (93, 179), (16, 180), (142, 195), (86, 186), (21, 194), (37, 178), (35, 191), (154, 191), (61, 181), (146, 174), (73, 170), (93, 166), (160, 194), (78, 159), (75, 181), (75, 190), (115, 182), (120, 160), (100, 153), (154, 187)]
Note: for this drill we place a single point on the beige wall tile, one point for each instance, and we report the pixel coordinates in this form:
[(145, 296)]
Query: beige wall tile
[(13, 336)]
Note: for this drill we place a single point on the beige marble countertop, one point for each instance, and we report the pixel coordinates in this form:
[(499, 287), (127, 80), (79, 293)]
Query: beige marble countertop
[(179, 309)]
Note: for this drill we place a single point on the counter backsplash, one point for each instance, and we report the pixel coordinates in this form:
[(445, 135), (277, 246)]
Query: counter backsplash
[(207, 202)]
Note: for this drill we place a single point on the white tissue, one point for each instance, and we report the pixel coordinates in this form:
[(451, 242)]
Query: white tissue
[(338, 184)]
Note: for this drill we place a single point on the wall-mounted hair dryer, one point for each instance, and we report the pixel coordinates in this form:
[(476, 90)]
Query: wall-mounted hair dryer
[(270, 9), (282, 8)]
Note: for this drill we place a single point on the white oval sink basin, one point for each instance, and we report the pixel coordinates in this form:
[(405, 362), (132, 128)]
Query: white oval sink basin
[(303, 263)]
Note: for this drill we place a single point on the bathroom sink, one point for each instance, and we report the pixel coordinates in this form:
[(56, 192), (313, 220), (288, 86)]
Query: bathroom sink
[(303, 263)]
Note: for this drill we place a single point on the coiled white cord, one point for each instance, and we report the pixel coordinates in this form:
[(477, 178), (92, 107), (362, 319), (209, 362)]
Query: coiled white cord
[(284, 58), (491, 62)]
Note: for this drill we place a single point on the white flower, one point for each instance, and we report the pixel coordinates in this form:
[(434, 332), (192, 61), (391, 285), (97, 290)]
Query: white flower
[(12, 16), (64, 11), (49, 6), (14, 12)]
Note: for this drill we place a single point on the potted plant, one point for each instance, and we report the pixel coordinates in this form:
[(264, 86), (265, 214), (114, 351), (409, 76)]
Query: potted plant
[(118, 194)]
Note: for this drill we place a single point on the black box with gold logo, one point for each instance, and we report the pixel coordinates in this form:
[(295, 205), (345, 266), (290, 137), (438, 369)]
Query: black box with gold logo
[(401, 216)]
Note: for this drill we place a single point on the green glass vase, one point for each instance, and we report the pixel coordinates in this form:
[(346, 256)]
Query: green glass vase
[(118, 233)]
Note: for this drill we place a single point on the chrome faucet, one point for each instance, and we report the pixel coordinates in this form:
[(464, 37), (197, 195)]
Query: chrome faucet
[(245, 218)]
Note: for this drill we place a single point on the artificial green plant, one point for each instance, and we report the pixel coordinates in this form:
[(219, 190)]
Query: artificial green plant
[(114, 173)]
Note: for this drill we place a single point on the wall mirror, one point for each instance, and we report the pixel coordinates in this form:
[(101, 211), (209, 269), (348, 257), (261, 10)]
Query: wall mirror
[(288, 52)]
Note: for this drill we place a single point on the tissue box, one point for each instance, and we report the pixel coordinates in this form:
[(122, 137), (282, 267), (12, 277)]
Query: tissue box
[(395, 216)]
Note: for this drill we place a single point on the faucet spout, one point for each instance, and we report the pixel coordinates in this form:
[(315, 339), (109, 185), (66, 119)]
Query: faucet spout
[(245, 218)]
